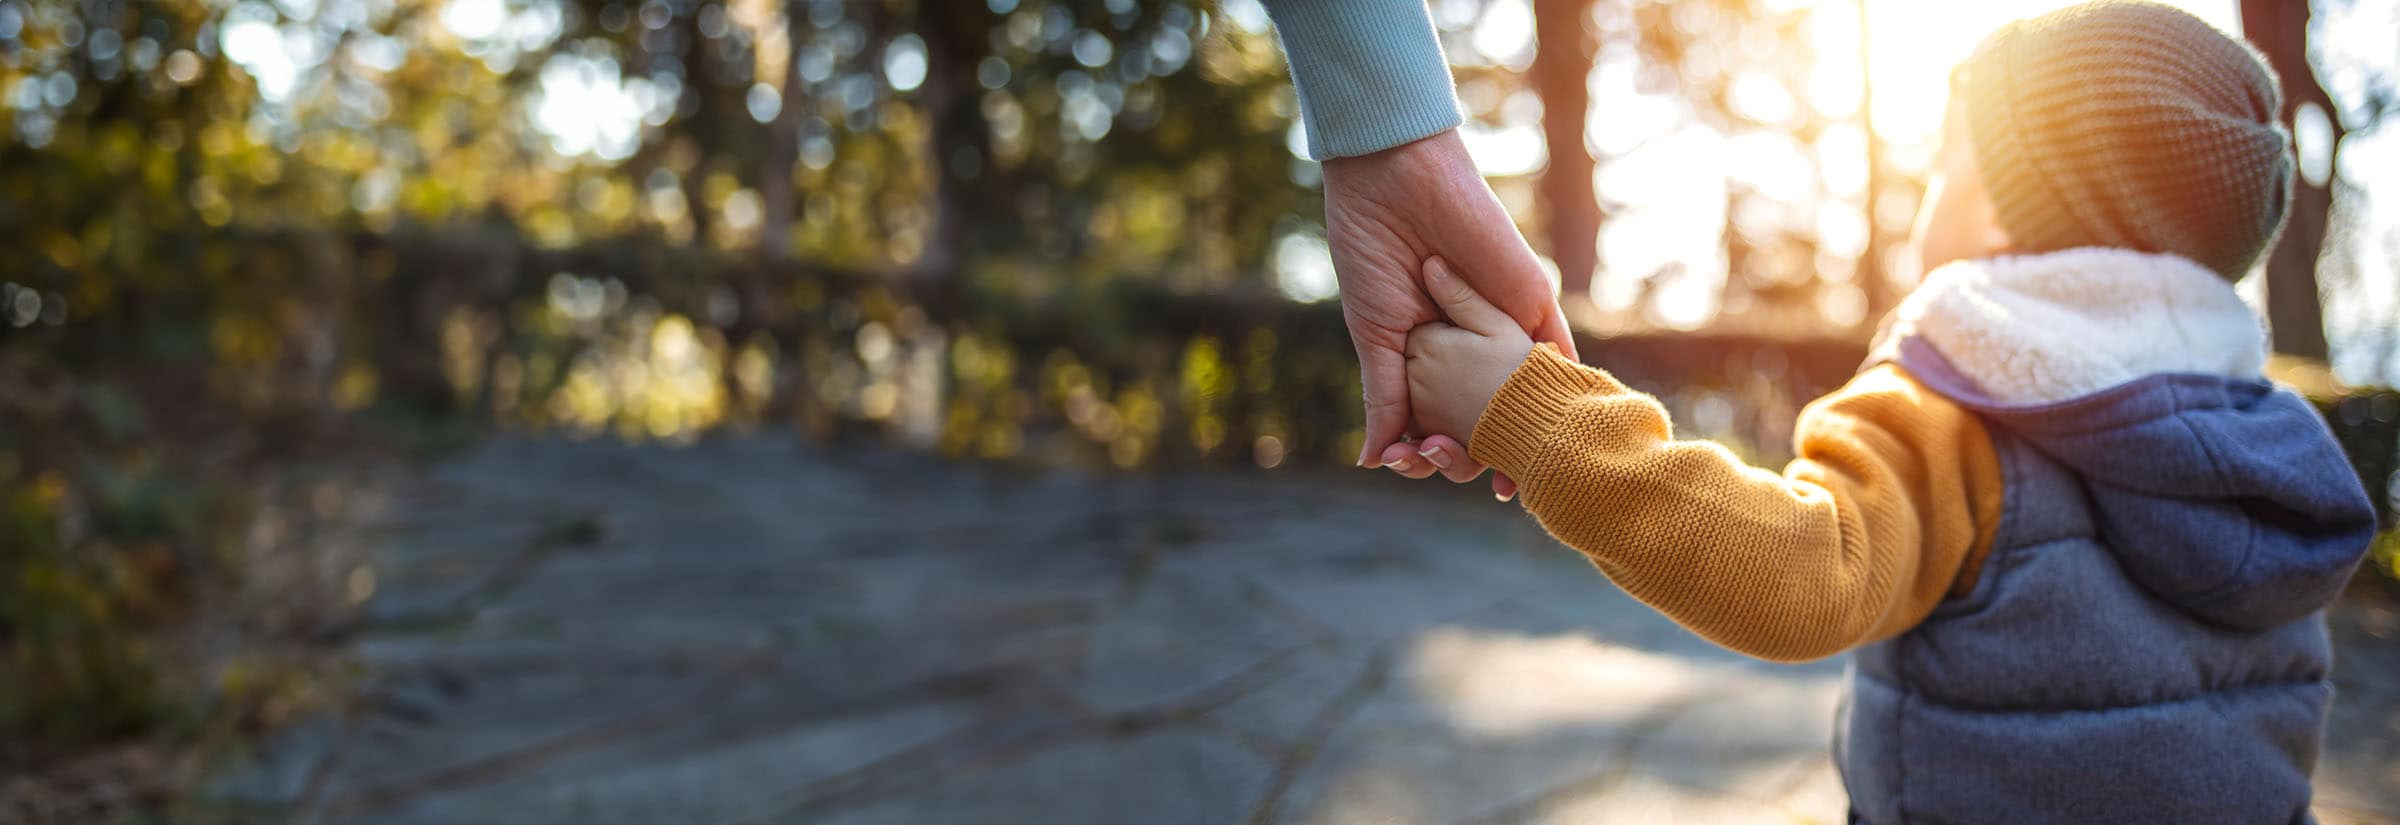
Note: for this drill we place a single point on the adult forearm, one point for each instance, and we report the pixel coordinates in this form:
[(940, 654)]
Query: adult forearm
[(1370, 73)]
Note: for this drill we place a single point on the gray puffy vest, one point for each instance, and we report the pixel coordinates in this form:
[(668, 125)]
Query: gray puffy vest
[(2145, 642)]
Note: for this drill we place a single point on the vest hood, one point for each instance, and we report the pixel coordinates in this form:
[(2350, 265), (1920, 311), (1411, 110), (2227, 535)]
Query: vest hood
[(2140, 372)]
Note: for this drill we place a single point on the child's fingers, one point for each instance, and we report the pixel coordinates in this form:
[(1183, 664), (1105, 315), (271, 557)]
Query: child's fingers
[(1426, 336), (1461, 303)]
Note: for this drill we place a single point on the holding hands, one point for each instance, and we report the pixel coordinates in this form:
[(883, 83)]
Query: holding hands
[(1376, 96), (1387, 214), (1455, 368)]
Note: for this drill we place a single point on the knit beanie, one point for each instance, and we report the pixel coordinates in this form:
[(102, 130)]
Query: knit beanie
[(2131, 125)]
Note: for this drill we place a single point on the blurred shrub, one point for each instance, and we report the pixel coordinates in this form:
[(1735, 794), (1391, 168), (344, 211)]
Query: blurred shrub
[(2367, 422), (97, 540), (2384, 554)]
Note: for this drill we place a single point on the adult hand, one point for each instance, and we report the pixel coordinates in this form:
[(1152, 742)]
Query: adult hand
[(1385, 214)]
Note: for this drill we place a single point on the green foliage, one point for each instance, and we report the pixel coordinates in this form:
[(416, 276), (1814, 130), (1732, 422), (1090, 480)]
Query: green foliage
[(93, 537), (81, 672), (2367, 423)]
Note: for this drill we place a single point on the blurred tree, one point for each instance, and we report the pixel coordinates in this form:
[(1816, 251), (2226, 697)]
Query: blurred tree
[(1731, 64), (958, 137), (2295, 310), (1561, 76), (1872, 275)]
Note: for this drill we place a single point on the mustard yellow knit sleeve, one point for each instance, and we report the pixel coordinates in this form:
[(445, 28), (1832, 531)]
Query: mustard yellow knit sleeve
[(1889, 506)]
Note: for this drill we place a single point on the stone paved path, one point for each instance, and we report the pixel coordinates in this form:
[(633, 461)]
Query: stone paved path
[(758, 631)]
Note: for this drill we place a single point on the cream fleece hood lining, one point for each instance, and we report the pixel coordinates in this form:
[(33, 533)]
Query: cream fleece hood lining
[(2038, 328)]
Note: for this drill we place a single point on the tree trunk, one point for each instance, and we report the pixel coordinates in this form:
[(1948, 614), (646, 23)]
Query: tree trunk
[(958, 140), (698, 120), (2295, 312), (1873, 278), (1562, 68), (776, 207)]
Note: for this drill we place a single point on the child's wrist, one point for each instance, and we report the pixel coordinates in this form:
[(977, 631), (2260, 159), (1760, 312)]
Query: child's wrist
[(1516, 422)]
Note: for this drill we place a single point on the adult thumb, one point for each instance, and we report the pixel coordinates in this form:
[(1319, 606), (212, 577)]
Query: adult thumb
[(1465, 307)]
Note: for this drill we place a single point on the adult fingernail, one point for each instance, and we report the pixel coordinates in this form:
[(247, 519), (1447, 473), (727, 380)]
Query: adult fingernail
[(1399, 464), (1435, 455), (1502, 497)]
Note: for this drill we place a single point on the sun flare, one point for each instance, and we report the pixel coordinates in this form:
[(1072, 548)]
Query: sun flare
[(1913, 45)]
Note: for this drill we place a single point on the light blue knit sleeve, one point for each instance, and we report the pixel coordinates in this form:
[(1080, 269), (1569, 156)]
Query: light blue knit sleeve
[(1370, 73)]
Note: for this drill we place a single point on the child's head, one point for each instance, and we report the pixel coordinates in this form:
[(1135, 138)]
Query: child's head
[(2114, 123)]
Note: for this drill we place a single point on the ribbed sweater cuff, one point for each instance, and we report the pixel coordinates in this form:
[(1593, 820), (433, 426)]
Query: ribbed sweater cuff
[(1370, 73), (1514, 431)]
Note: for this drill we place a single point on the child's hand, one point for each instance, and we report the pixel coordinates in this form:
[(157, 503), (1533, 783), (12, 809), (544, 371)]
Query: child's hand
[(1455, 368)]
